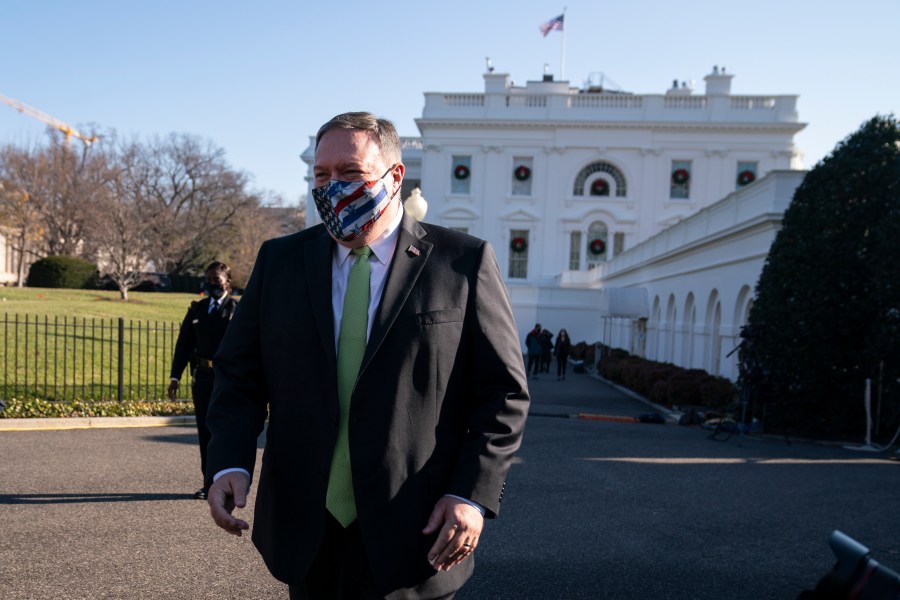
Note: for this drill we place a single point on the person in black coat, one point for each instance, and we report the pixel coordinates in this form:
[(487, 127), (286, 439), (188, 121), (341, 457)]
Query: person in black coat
[(201, 332), (546, 350), (388, 441), (562, 350)]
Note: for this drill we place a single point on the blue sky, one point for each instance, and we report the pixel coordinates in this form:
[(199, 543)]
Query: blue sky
[(258, 78)]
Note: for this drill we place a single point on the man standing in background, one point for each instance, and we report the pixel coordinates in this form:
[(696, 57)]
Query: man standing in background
[(534, 348), (198, 339)]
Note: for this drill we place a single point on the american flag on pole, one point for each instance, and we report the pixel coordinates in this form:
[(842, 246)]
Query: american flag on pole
[(555, 23)]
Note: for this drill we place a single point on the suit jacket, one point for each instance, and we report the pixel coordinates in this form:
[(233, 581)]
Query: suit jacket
[(200, 333), (439, 405)]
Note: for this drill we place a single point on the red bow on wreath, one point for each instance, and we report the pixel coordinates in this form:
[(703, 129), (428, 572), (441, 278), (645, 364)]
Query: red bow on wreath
[(522, 173), (461, 172), (680, 176), (745, 177), (597, 246), (600, 187), (518, 244)]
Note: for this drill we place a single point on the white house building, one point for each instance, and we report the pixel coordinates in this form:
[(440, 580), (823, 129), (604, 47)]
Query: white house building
[(642, 221)]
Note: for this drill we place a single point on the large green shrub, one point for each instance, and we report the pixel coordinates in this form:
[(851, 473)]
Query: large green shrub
[(62, 272), (827, 309)]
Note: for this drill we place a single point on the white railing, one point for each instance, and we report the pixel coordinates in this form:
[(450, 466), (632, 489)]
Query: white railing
[(464, 99), (684, 102), (613, 107), (613, 101), (752, 103), (528, 101)]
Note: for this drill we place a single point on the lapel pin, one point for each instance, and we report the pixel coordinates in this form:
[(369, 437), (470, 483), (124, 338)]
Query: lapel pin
[(412, 250)]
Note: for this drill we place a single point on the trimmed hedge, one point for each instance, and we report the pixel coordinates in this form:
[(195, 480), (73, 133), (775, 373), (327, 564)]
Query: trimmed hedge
[(62, 272), (665, 383)]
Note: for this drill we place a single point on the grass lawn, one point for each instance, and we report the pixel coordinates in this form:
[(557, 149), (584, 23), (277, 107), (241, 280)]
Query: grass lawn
[(101, 304), (63, 346)]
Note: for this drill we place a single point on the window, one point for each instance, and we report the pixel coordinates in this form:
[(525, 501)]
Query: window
[(746, 173), (522, 174), (461, 175), (680, 180), (575, 251), (618, 243), (584, 180), (518, 254), (596, 244)]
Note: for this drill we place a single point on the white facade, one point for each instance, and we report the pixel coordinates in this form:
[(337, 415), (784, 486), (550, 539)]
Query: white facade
[(9, 259), (593, 182), (695, 280)]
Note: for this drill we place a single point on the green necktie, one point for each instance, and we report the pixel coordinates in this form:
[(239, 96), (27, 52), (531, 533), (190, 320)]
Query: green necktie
[(351, 347)]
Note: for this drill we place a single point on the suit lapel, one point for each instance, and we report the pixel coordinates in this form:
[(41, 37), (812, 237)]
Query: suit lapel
[(405, 269), (319, 254)]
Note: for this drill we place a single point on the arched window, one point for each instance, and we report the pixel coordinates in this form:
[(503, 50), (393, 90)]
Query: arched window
[(599, 171)]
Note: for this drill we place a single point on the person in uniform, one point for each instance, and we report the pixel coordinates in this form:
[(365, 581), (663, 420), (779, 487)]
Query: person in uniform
[(201, 331)]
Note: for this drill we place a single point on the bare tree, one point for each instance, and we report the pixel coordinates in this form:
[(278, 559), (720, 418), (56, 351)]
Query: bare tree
[(190, 196), (73, 175), (171, 205), (262, 220), (118, 235)]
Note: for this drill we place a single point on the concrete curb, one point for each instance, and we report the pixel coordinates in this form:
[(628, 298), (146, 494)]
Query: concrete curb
[(92, 423), (671, 416)]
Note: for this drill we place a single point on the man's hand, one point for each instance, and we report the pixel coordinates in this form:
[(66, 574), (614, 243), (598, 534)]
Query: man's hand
[(173, 389), (458, 537), (227, 493)]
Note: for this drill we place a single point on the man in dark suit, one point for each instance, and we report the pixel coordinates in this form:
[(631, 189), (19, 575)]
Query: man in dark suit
[(379, 488), (201, 331)]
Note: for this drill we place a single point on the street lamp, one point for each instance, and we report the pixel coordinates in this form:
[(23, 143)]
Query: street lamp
[(416, 205)]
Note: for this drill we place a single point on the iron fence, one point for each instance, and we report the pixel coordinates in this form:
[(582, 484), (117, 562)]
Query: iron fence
[(72, 358)]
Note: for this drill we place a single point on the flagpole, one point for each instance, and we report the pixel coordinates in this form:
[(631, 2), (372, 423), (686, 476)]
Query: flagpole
[(562, 60)]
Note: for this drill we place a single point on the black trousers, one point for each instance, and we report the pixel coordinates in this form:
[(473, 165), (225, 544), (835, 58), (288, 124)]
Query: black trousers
[(534, 364), (341, 569), (561, 363), (201, 393)]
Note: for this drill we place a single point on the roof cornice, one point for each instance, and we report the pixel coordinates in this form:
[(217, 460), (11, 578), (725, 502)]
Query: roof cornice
[(789, 127)]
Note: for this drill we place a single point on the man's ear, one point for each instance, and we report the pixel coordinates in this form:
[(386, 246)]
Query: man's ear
[(397, 177)]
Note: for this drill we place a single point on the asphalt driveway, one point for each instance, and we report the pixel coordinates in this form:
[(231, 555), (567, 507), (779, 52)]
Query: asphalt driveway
[(593, 509)]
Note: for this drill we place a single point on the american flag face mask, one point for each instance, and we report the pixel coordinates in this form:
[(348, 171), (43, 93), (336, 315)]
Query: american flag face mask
[(348, 208)]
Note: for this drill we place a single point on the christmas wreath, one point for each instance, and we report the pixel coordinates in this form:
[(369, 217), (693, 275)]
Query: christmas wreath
[(461, 172), (680, 176), (518, 244), (600, 187), (597, 247), (522, 173), (746, 176)]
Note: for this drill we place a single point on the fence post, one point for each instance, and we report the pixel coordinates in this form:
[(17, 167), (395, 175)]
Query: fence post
[(121, 358)]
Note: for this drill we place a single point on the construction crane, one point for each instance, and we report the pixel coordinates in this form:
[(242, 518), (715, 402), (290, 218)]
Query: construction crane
[(67, 130)]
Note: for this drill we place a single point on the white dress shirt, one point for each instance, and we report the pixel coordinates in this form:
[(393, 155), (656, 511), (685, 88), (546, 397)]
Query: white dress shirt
[(380, 263)]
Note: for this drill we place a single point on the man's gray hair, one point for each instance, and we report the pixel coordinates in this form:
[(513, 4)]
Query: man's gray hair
[(383, 130)]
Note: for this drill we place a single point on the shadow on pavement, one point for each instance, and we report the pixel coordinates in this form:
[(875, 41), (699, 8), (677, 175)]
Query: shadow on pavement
[(175, 438), (73, 498)]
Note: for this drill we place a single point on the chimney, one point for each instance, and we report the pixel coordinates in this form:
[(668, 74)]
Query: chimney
[(718, 83)]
